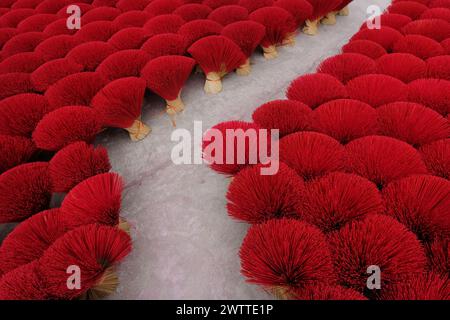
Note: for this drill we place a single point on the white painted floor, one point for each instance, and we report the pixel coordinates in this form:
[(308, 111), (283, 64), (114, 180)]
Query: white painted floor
[(185, 245)]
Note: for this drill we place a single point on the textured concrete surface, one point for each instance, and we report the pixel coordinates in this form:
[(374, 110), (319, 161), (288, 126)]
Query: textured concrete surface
[(185, 245)]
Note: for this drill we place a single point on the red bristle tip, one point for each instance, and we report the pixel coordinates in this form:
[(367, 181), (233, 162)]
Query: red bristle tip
[(411, 9), (24, 191), (66, 125), (311, 154), (15, 4), (421, 203), (345, 119), (392, 20), (228, 14), (134, 18), (280, 28), (193, 11), (50, 72), (166, 77), (333, 201), (15, 151), (377, 89), (420, 287), (94, 200), (327, 292), (119, 104), (128, 5), (438, 253), (255, 198), (439, 4), (403, 66), (95, 250), (75, 89), (214, 4), (22, 283), (347, 66), (385, 36), (216, 147), (197, 29), (436, 156), (436, 13), (166, 44), (96, 31), (58, 27), (439, 67), (285, 255), (288, 116), (432, 93), (436, 29), (160, 7), (128, 38), (36, 22), (167, 23), (90, 54), (125, 63), (104, 3), (376, 240), (301, 10), (316, 89), (25, 62), (412, 123), (75, 163), (420, 46), (366, 47), (252, 5), (100, 14), (51, 6), (382, 159), (323, 7), (12, 18), (15, 83), (217, 56), (20, 114), (29, 240)]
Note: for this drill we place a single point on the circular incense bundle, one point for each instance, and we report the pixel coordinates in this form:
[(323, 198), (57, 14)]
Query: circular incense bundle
[(166, 77), (280, 29), (95, 249), (217, 56), (247, 35), (119, 104), (322, 10)]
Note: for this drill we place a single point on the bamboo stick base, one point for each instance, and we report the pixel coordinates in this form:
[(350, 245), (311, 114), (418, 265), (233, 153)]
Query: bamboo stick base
[(245, 69), (213, 84), (138, 130), (270, 52), (329, 19), (311, 27)]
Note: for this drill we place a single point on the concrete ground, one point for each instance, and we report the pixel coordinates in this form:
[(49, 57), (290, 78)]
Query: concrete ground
[(185, 245)]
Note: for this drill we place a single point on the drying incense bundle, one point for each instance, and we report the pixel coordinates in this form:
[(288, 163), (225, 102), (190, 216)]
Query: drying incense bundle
[(75, 163), (95, 249), (119, 104), (403, 66), (24, 62), (166, 77), (217, 56), (247, 41), (29, 240), (280, 29), (50, 72), (228, 14), (197, 29), (66, 125), (324, 11), (375, 239), (193, 11), (337, 199), (90, 54), (24, 191)]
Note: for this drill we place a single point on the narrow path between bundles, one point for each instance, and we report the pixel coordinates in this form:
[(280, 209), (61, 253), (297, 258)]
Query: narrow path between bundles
[(185, 245)]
